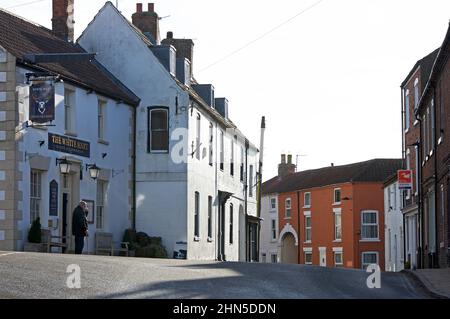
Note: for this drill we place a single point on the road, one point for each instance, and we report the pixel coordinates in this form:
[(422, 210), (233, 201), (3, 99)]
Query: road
[(32, 275)]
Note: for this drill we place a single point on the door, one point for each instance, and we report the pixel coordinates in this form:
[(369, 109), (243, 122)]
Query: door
[(221, 233), (253, 235), (65, 213), (323, 256)]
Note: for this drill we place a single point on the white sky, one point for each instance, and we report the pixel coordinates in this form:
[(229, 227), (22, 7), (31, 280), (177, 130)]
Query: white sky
[(327, 81)]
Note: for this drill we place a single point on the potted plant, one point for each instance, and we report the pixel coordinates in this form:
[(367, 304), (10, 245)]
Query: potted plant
[(34, 243)]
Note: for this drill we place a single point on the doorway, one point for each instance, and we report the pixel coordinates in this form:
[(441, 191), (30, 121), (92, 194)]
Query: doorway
[(289, 251), (221, 233), (323, 256)]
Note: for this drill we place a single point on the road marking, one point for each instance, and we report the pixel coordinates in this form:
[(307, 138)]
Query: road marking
[(1, 255)]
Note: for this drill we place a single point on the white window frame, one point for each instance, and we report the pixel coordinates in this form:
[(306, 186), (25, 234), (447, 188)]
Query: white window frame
[(35, 195), (308, 252), (273, 230), (222, 151), (198, 133), (69, 110), (308, 229), (336, 213), (338, 251), (273, 208), (334, 196), (196, 216), (407, 111), (377, 224), (307, 205), (287, 208), (100, 209), (364, 265), (211, 143)]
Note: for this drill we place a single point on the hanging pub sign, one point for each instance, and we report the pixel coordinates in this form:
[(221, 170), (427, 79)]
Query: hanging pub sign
[(42, 101), (68, 145), (405, 179)]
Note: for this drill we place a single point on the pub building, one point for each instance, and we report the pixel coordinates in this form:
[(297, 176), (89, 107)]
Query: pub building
[(66, 134)]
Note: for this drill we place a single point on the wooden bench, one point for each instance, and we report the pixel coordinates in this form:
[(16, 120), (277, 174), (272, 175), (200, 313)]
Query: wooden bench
[(104, 244), (49, 241)]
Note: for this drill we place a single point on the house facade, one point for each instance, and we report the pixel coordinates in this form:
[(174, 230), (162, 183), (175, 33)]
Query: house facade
[(89, 122), (432, 112), (333, 216), (195, 172), (412, 88), (393, 228)]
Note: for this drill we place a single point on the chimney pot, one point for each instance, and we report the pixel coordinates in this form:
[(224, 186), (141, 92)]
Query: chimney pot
[(289, 159), (151, 7), (139, 7), (283, 158), (170, 35)]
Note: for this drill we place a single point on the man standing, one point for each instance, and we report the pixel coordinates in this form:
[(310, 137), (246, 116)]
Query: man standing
[(79, 226)]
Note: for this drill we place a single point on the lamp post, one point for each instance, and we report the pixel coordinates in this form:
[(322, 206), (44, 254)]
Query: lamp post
[(94, 171), (64, 165)]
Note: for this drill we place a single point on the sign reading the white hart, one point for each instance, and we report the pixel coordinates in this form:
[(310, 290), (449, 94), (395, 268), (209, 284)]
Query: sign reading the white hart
[(42, 101)]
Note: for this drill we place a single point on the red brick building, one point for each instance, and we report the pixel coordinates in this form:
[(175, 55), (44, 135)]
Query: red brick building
[(433, 114), (333, 216)]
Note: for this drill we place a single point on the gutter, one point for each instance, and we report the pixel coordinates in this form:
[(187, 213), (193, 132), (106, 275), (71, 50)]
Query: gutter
[(419, 191), (134, 204)]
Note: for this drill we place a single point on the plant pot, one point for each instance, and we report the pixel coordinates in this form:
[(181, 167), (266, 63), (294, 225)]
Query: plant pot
[(33, 247)]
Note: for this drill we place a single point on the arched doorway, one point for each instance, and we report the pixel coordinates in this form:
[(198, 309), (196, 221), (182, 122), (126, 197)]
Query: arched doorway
[(289, 249)]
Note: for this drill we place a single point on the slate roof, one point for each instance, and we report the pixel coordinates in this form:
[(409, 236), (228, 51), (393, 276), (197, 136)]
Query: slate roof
[(376, 170), (19, 37), (426, 65)]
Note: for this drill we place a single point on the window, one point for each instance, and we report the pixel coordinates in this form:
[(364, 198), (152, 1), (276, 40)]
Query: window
[(69, 104), (273, 203), (425, 137), (197, 215), (338, 259), (242, 165), (35, 195), (232, 158), (222, 155), (287, 208), (250, 181), (337, 226), (432, 126), (337, 196), (211, 141), (307, 199), (273, 229), (100, 209), (263, 258), (210, 203), (198, 137), (416, 93), (369, 225), (308, 228), (407, 110), (274, 258), (308, 257), (369, 258), (159, 130), (231, 223), (101, 106)]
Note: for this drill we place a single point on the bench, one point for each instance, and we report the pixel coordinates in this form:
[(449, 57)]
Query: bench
[(49, 241), (104, 244)]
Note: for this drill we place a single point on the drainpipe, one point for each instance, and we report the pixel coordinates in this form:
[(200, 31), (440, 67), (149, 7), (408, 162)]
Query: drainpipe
[(298, 227), (419, 190), (436, 228), (134, 203), (404, 166), (247, 145)]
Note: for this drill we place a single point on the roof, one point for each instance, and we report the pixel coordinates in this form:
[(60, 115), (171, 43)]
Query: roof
[(425, 64), (436, 67), (19, 37), (376, 170)]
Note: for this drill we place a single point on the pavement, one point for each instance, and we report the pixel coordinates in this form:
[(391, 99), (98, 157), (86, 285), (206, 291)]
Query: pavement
[(435, 281), (45, 276)]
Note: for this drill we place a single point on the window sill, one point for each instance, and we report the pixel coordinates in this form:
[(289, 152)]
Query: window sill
[(337, 241), (197, 239), (102, 141), (370, 240), (337, 204), (407, 131), (273, 241), (70, 134), (431, 153), (440, 140), (307, 207), (287, 217), (159, 152), (308, 242)]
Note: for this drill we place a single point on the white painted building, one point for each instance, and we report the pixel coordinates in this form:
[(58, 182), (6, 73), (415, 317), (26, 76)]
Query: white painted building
[(193, 164), (93, 124), (269, 229), (394, 234)]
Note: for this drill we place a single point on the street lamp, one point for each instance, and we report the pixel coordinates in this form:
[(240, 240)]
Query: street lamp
[(94, 171), (64, 165)]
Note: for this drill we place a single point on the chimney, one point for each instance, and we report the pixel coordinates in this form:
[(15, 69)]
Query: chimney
[(147, 22), (285, 169), (62, 21), (185, 47)]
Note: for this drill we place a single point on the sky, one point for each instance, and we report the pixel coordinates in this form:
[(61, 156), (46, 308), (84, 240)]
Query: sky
[(327, 79)]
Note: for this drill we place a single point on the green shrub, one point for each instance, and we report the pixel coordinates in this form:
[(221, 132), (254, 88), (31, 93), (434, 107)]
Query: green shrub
[(34, 234), (151, 251)]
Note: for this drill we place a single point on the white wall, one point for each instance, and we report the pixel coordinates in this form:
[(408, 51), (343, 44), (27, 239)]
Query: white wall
[(269, 246), (394, 232), (117, 148)]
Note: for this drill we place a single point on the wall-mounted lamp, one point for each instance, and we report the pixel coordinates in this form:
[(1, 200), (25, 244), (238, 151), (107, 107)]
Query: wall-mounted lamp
[(94, 171), (64, 165)]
